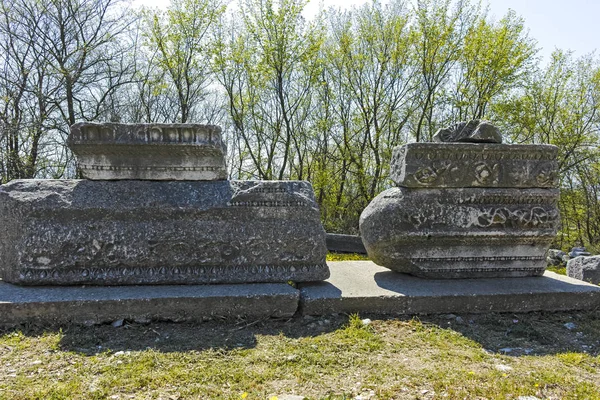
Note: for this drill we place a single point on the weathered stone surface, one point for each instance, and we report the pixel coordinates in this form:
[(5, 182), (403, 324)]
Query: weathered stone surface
[(149, 151), (579, 251), (461, 233), (585, 269), (447, 165), (96, 305), (474, 131), (363, 287), (339, 243), (150, 232), (555, 258)]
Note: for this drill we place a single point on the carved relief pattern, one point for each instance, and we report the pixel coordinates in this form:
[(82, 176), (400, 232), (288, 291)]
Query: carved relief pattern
[(478, 154), (188, 274), (478, 259), (529, 270), (149, 168), (481, 173), (486, 175), (535, 217), (430, 174), (268, 204), (149, 134)]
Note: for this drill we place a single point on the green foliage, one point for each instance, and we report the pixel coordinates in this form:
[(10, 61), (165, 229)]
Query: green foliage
[(346, 257), (180, 41), (324, 100)]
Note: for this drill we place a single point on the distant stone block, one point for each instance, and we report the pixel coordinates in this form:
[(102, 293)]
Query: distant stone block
[(339, 243), (556, 258), (67, 232), (461, 233), (484, 165), (111, 151), (585, 269)]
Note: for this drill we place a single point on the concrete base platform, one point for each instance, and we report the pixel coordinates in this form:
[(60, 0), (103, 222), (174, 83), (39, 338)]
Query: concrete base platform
[(354, 286), (90, 305), (362, 286)]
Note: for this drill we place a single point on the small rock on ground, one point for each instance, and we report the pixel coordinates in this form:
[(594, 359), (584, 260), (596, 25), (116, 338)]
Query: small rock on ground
[(570, 326), (118, 323)]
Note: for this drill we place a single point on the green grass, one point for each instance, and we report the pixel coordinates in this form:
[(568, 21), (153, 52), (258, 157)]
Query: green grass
[(335, 357), (346, 257), (558, 270)]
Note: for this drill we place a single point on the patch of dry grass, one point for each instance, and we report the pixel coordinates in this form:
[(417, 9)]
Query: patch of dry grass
[(494, 356)]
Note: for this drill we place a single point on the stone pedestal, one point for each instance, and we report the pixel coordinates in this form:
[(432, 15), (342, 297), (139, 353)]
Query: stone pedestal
[(465, 210), (74, 232), (461, 233)]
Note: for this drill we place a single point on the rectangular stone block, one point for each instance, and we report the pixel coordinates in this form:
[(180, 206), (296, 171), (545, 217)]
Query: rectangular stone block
[(66, 232), (149, 151), (363, 287), (484, 165), (340, 243), (96, 305)]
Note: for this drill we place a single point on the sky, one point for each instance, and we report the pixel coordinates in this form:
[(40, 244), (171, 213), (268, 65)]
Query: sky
[(568, 25)]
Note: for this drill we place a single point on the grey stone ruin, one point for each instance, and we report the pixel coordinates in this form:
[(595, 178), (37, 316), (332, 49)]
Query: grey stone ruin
[(585, 268), (467, 207), (156, 209), (149, 151)]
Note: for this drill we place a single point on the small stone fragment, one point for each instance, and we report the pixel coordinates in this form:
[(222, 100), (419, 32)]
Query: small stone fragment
[(503, 368), (556, 258), (366, 321), (474, 131), (570, 326), (118, 323), (290, 397), (579, 251)]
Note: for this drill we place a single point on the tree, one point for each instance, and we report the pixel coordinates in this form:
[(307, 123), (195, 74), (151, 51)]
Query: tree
[(180, 48), (268, 69), (495, 58), (63, 60), (440, 32)]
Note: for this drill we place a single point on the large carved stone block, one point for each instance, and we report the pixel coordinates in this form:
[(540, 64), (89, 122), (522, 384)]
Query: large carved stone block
[(149, 151), (461, 233), (485, 165), (64, 232)]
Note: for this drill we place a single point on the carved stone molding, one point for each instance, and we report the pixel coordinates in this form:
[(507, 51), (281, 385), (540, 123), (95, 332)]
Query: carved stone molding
[(456, 165), (111, 151)]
